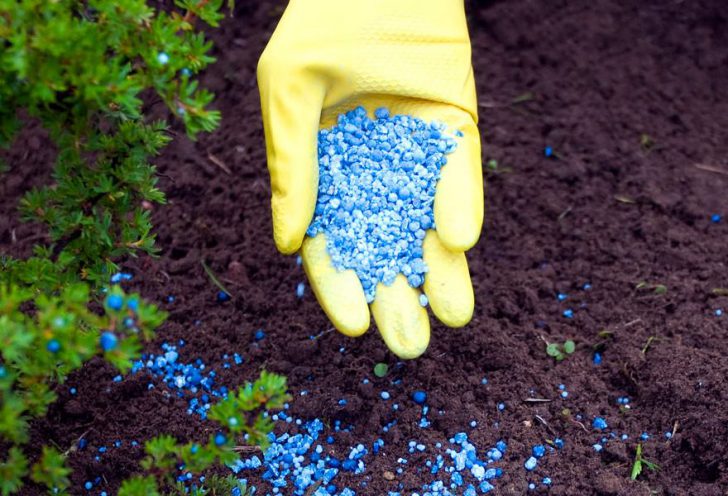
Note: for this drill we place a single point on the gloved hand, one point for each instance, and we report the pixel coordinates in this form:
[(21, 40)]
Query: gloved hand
[(413, 57)]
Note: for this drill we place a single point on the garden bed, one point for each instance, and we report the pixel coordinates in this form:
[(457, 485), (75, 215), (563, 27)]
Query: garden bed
[(632, 97)]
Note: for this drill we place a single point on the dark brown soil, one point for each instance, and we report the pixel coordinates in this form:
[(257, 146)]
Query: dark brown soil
[(608, 211)]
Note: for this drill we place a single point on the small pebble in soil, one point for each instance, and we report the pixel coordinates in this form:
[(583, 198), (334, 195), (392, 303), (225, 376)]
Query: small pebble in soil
[(715, 218), (599, 423), (88, 485), (170, 299), (162, 58), (377, 180), (223, 296), (562, 296), (501, 406), (718, 312), (423, 300), (259, 335), (300, 290), (548, 152), (597, 447), (546, 481), (568, 313), (385, 395), (419, 397), (644, 436), (108, 341), (668, 435), (538, 451), (530, 463)]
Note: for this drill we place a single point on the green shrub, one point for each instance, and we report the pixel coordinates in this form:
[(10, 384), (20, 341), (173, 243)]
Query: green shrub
[(81, 68), (84, 70)]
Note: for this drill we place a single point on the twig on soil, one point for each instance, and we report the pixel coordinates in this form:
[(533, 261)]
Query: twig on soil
[(219, 163), (536, 400), (545, 424), (674, 429), (259, 184), (166, 276), (648, 343), (633, 322), (246, 449), (322, 333), (214, 279), (525, 97), (566, 413), (564, 213), (710, 168), (313, 488), (74, 446)]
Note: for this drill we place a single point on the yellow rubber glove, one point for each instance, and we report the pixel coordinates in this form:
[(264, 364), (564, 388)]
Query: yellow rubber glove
[(413, 57)]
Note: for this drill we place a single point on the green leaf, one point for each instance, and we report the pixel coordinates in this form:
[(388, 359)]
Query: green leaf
[(553, 350), (636, 469), (51, 470), (381, 369), (139, 485), (569, 347), (12, 471)]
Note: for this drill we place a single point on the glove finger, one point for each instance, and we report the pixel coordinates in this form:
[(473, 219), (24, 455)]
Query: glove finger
[(291, 108), (459, 194), (402, 321), (339, 293), (447, 283)]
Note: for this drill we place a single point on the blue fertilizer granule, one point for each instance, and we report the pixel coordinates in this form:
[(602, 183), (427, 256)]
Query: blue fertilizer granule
[(376, 190)]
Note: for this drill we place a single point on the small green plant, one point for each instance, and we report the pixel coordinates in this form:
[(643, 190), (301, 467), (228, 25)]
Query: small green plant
[(240, 414), (217, 485), (639, 462), (560, 351), (492, 167), (381, 369)]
